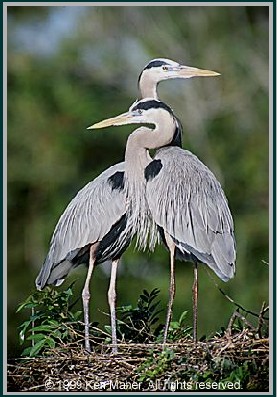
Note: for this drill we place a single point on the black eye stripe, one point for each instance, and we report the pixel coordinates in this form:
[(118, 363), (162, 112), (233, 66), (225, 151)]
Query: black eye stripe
[(155, 64)]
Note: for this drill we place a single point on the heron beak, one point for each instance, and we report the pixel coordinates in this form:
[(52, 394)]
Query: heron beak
[(188, 72), (122, 119)]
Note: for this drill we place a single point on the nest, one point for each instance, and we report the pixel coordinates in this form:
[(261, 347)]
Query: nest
[(228, 362)]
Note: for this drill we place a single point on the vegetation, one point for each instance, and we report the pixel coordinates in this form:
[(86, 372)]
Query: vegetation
[(52, 322), (235, 358), (71, 66)]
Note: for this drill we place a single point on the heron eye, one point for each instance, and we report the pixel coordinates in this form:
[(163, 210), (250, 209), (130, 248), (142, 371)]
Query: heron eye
[(165, 68)]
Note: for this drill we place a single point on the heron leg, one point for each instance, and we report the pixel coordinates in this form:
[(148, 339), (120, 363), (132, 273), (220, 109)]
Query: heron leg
[(195, 301), (86, 295), (112, 300), (171, 247)]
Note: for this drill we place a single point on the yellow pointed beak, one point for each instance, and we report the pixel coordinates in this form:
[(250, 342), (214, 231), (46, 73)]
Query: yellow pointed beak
[(188, 71), (118, 120)]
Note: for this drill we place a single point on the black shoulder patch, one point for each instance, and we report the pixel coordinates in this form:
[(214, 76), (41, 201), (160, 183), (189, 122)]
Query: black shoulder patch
[(152, 169), (117, 180)]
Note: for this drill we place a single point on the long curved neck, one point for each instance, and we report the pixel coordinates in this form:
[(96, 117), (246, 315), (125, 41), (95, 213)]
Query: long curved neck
[(144, 138), (137, 159), (137, 156), (147, 86), (148, 89)]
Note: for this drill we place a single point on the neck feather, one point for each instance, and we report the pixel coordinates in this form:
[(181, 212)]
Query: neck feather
[(136, 160), (148, 87), (139, 218)]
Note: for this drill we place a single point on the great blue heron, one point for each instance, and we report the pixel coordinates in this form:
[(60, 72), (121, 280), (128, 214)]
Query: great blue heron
[(174, 193), (92, 229)]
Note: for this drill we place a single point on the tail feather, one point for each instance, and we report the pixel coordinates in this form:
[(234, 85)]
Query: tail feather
[(53, 275), (223, 265)]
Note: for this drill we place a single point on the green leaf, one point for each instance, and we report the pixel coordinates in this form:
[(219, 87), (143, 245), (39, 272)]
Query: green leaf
[(154, 320), (26, 351), (120, 322), (153, 306), (174, 325), (25, 304), (77, 315), (54, 323), (36, 337), (108, 328), (46, 328), (152, 298), (51, 342), (155, 314), (183, 316), (144, 298), (37, 347), (25, 324)]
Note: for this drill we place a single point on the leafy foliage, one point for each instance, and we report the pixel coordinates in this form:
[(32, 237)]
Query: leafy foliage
[(139, 324), (155, 365), (52, 321), (178, 329), (231, 355)]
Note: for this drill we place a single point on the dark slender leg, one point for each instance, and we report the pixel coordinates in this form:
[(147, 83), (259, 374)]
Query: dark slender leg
[(171, 247), (86, 296), (195, 301), (112, 300)]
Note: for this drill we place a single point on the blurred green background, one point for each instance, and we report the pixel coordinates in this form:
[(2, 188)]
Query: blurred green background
[(69, 67)]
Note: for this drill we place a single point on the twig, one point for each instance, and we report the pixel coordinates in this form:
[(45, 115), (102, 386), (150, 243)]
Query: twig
[(239, 306), (33, 325), (263, 310)]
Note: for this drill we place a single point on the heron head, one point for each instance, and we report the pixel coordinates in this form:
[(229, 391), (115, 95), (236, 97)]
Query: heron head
[(145, 111), (163, 69)]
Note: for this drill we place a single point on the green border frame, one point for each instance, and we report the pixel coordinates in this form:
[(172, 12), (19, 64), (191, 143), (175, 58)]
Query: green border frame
[(272, 177)]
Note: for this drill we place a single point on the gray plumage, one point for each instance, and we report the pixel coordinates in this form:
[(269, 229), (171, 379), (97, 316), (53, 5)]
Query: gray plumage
[(95, 225), (175, 194), (186, 200), (94, 228), (96, 208), (86, 220), (183, 198)]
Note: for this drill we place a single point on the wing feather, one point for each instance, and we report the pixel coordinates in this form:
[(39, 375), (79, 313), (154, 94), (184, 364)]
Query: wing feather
[(86, 220), (89, 216), (187, 201)]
